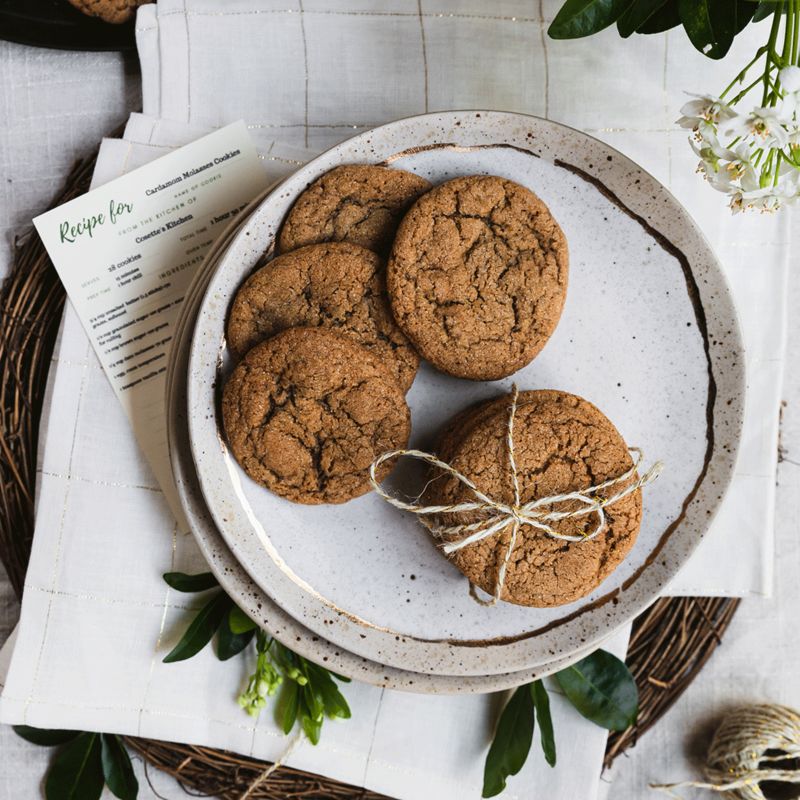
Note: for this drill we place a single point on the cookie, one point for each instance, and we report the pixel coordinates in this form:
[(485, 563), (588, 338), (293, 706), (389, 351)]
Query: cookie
[(562, 443), (114, 11), (306, 412), (357, 203), (334, 284), (477, 276)]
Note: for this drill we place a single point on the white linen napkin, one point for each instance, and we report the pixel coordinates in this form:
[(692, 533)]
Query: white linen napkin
[(97, 619), (312, 73), (309, 73)]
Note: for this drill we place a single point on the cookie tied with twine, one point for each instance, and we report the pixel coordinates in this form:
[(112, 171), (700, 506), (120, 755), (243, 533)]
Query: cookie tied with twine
[(535, 497)]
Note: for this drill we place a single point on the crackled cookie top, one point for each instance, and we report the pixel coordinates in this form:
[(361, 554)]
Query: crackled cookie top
[(307, 411), (562, 443), (334, 284), (478, 276), (356, 203)]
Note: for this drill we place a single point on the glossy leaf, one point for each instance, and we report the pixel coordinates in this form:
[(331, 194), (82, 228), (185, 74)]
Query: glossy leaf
[(312, 729), (636, 15), (290, 700), (77, 772), (511, 744), (182, 582), (45, 738), (117, 767), (541, 702), (311, 713), (766, 8), (230, 644), (665, 18), (745, 9), (602, 689), (332, 699), (709, 24), (239, 622), (578, 18), (203, 627)]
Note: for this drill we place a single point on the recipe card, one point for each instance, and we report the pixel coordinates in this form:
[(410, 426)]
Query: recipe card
[(126, 253)]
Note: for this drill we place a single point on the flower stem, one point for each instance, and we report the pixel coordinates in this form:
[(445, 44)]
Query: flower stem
[(796, 32), (773, 38), (740, 77)]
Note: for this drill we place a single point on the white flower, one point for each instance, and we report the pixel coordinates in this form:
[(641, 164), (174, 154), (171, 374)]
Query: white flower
[(705, 108), (787, 108), (790, 79), (768, 198), (764, 124)]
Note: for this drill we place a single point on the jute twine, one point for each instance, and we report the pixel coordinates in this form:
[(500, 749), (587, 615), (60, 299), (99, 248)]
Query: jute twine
[(496, 516), (744, 751), (271, 768)]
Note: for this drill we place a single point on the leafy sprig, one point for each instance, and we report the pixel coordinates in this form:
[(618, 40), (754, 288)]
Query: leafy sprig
[(599, 686), (85, 764), (711, 25), (308, 692)]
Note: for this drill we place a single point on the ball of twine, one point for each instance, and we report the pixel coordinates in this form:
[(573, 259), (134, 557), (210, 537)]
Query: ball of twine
[(748, 749)]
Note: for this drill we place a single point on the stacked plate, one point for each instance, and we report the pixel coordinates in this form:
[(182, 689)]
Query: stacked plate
[(649, 334)]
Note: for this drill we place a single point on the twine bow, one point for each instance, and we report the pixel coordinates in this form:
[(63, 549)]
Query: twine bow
[(497, 516)]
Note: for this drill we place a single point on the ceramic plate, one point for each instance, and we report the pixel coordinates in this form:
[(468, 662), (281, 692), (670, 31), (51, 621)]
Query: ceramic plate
[(649, 334), (240, 586)]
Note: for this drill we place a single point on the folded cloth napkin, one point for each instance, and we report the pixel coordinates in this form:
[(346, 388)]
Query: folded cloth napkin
[(353, 64), (97, 620)]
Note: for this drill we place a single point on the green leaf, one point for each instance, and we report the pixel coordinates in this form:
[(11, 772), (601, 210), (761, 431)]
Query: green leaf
[(77, 772), (312, 729), (313, 701), (578, 18), (637, 14), (117, 767), (182, 582), (766, 8), (290, 700), (203, 627), (541, 703), (239, 622), (230, 644), (511, 744), (745, 9), (602, 689), (709, 24), (43, 737), (335, 704), (665, 18)]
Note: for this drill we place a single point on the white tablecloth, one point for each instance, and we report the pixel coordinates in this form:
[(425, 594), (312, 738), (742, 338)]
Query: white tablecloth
[(639, 140)]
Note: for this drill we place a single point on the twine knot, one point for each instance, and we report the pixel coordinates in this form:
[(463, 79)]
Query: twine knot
[(496, 517)]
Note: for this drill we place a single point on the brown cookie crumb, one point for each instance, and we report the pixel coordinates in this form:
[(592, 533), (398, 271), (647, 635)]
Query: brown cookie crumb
[(307, 411), (335, 285), (478, 276), (357, 203), (562, 443)]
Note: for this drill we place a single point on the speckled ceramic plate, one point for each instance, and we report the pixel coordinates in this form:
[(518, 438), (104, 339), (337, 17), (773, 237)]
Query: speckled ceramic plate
[(649, 334), (235, 580)]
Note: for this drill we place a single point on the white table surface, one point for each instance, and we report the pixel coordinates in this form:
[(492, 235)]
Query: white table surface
[(54, 107)]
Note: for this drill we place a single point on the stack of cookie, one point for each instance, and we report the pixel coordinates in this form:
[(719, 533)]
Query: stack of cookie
[(319, 392), (375, 269)]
